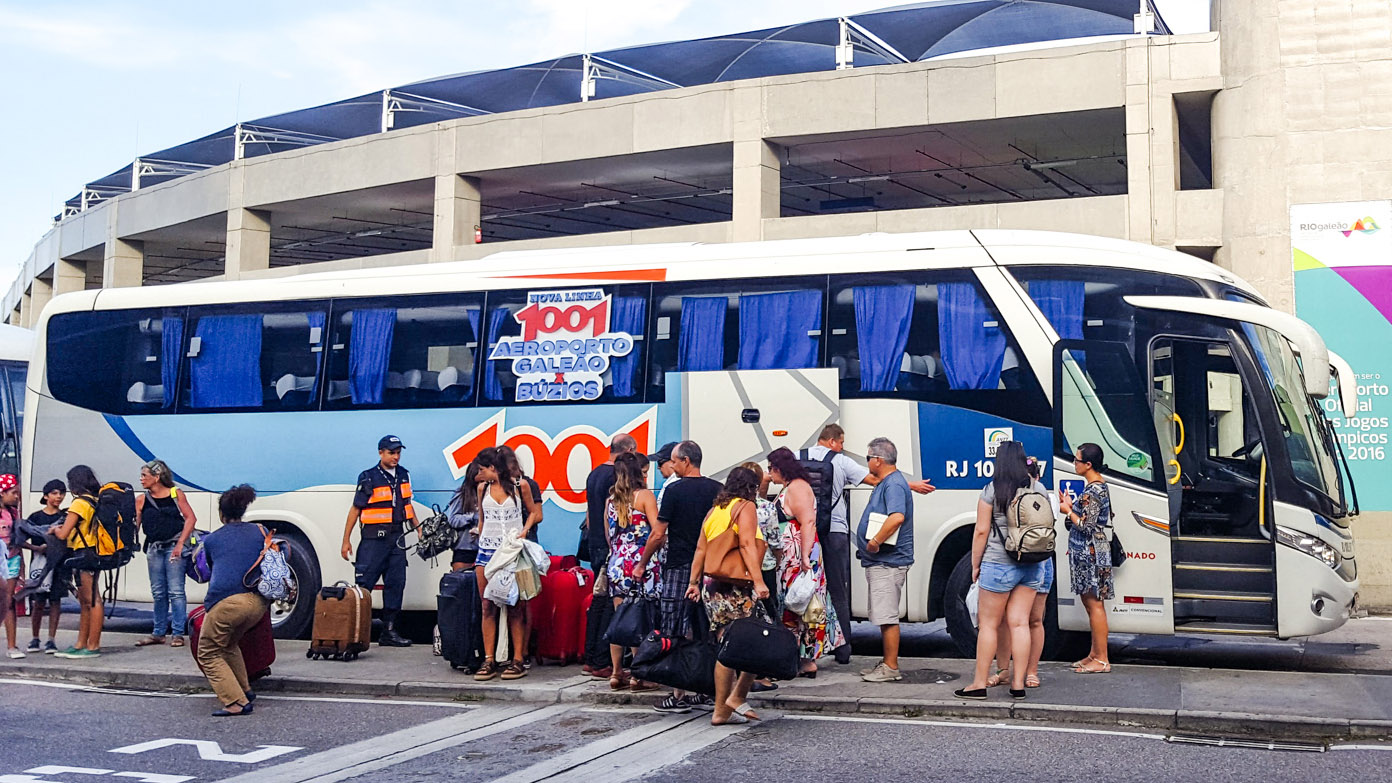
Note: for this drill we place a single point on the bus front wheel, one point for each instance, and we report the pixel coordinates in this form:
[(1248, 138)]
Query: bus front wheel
[(294, 619), (1058, 644)]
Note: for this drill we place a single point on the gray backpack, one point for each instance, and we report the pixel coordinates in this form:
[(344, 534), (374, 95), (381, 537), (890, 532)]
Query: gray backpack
[(1029, 519)]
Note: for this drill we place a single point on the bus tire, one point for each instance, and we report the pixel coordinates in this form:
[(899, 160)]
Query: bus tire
[(959, 624), (294, 620)]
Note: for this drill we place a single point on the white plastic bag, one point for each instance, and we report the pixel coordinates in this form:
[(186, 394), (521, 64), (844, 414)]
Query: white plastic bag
[(973, 599), (540, 559), (800, 592), (502, 589)]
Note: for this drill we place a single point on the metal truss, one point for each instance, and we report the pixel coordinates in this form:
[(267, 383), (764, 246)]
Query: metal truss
[(152, 167), (854, 36), (245, 134), (594, 68), (394, 102)]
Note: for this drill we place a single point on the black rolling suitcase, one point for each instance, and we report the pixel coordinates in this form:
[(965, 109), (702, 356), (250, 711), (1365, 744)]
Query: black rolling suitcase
[(461, 620)]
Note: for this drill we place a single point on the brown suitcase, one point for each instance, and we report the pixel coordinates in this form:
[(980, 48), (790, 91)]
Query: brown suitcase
[(342, 623)]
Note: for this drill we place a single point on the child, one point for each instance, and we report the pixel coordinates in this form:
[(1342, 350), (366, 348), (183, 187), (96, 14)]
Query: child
[(77, 529), (13, 563), (49, 601)]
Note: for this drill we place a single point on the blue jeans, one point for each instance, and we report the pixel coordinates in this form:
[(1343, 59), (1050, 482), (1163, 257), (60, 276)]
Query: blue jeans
[(167, 586)]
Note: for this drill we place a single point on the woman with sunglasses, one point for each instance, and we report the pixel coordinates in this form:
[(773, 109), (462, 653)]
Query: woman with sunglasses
[(1090, 552)]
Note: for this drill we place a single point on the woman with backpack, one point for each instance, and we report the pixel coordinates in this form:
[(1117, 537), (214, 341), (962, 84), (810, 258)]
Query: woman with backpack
[(1007, 586), (166, 520), (78, 530), (1036, 619), (233, 608), (1090, 552), (800, 553), (505, 511)]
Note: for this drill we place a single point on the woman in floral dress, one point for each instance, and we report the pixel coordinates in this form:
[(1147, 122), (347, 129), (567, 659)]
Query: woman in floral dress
[(1090, 552), (801, 551), (629, 513)]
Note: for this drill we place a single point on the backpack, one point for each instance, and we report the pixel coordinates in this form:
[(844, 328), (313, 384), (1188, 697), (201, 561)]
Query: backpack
[(159, 524), (274, 580), (822, 476), (111, 539), (1029, 519)]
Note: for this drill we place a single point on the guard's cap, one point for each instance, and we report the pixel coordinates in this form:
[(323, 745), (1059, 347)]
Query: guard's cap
[(390, 443)]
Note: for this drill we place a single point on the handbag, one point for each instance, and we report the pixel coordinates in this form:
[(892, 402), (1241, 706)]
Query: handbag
[(1118, 551), (685, 664), (434, 536), (274, 580), (760, 648), (634, 619), (800, 592), (815, 613), (725, 561)]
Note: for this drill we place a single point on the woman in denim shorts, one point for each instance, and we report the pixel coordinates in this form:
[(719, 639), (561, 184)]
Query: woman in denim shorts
[(1007, 588)]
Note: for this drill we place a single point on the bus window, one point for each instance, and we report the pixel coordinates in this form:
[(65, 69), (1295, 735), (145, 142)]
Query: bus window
[(932, 337), (116, 361), (410, 352), (530, 334), (13, 417), (253, 357), (771, 324), (1101, 400), (1085, 303)]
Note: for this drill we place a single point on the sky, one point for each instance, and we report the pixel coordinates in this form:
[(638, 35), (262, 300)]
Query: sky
[(90, 85)]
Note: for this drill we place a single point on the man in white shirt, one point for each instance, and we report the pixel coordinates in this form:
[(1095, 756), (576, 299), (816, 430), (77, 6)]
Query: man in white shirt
[(846, 472)]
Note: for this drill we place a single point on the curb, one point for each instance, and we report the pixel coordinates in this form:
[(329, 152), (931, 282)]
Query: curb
[(572, 691)]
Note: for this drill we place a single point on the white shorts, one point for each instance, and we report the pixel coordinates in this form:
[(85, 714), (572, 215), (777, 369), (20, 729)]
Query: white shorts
[(886, 588)]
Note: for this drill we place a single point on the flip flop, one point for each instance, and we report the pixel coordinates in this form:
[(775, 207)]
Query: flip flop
[(745, 711), (1031, 681), (998, 679), (734, 720), (149, 640), (1106, 669)]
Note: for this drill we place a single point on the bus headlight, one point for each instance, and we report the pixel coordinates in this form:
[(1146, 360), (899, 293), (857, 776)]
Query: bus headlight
[(1311, 546)]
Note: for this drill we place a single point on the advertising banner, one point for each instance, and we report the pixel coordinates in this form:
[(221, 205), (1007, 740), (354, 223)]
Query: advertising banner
[(1342, 255)]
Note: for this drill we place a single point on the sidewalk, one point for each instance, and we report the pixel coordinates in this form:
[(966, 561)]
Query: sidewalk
[(1171, 699)]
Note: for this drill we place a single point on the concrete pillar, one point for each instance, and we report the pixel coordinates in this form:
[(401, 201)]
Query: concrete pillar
[(26, 318), (69, 275), (39, 295), (458, 211), (756, 188), (123, 263), (1152, 162), (248, 241)]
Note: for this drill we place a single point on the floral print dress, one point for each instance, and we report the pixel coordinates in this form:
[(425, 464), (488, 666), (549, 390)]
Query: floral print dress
[(626, 544), (1089, 550), (814, 639)]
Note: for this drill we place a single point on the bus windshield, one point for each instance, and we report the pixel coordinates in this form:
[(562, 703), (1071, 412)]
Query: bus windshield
[(1312, 459)]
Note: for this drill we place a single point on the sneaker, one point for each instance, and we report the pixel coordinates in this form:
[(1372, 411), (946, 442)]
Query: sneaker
[(78, 655), (673, 706), (864, 672), (700, 701), (602, 674), (883, 673), (50, 648), (437, 644), (15, 652), (34, 645), (65, 653)]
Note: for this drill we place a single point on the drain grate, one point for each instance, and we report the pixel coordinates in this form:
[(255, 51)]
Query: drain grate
[(1257, 744)]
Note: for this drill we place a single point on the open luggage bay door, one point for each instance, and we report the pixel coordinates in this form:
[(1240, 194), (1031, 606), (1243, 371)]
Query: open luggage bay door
[(742, 415)]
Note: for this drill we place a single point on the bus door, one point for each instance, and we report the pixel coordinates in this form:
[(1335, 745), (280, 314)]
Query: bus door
[(1099, 398), (1224, 554), (742, 415), (11, 415)]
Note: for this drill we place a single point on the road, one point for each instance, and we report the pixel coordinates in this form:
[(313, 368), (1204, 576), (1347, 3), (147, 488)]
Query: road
[(79, 735)]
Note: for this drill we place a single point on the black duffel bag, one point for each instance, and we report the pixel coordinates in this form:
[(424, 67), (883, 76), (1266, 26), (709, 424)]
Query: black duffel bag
[(760, 648), (634, 619), (677, 663)]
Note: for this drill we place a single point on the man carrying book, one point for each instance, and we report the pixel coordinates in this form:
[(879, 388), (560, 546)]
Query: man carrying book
[(884, 544)]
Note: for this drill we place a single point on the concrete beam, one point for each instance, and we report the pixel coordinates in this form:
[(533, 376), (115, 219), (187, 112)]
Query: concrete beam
[(26, 317), (69, 275), (757, 190), (39, 296), (123, 263), (458, 212), (248, 241)]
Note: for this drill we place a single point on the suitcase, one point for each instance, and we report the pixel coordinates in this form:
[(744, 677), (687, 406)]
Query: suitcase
[(460, 619), (258, 645), (558, 614), (342, 623)]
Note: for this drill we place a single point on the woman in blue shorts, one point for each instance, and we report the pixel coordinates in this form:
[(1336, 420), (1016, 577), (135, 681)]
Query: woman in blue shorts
[(1007, 588)]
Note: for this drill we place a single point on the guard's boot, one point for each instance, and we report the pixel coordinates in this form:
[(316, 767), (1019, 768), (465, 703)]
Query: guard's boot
[(390, 638)]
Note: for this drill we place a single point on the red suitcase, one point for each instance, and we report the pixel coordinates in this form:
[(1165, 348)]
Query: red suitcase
[(258, 645), (558, 619)]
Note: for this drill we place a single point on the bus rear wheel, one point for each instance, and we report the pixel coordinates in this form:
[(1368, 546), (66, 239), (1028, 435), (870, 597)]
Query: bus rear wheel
[(294, 619), (1058, 644)]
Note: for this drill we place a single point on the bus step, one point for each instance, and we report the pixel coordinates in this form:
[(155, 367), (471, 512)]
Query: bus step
[(1227, 577), (1223, 551), (1224, 606), (1242, 629)]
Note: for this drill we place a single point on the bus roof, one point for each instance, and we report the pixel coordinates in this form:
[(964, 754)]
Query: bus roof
[(16, 343), (680, 261)]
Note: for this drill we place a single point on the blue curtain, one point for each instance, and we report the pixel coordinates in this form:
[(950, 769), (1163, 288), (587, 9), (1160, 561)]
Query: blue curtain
[(171, 347), (629, 316), (883, 314), (369, 352), (774, 330), (972, 352), (492, 387), (1061, 301), (701, 341), (316, 321), (226, 373)]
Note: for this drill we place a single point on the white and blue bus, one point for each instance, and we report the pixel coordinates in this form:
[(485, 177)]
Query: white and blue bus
[(16, 346), (1228, 486)]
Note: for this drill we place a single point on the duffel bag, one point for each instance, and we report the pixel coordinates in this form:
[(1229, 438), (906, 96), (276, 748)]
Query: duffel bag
[(677, 663), (760, 648)]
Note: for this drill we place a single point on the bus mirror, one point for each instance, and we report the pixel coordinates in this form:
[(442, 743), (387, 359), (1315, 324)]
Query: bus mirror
[(1342, 373)]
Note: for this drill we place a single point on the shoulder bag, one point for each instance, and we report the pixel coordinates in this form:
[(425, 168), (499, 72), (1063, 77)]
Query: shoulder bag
[(724, 561)]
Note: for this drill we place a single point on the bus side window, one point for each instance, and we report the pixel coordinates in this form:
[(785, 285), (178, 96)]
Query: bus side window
[(259, 356), (404, 352), (117, 361)]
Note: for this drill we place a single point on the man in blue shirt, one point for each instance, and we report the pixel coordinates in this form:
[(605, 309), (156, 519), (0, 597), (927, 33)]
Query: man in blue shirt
[(887, 552)]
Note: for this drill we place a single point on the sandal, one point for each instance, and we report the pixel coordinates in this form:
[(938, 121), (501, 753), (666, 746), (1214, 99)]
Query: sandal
[(514, 671), (641, 686), (618, 681), (1031, 680), (150, 640), (487, 671), (178, 641), (734, 720), (1082, 663), (998, 679), (747, 712), (1106, 668)]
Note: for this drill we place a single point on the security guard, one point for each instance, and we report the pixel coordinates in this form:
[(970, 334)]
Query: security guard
[(383, 504)]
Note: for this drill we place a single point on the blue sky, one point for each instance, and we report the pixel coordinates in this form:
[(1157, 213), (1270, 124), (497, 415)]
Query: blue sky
[(91, 85)]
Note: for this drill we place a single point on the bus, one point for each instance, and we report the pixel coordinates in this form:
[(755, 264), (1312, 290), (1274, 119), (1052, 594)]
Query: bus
[(1230, 493), (16, 346)]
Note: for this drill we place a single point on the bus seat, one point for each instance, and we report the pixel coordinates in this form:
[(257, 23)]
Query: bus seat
[(294, 391), (338, 390), (454, 384), (397, 380), (145, 394)]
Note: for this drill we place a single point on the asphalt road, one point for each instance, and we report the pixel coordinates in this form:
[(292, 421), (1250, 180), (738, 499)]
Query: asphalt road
[(71, 735)]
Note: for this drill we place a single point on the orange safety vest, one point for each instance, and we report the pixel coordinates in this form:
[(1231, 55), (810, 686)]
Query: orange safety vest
[(383, 495)]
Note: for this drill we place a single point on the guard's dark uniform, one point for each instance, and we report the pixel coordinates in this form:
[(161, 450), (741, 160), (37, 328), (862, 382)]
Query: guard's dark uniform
[(385, 503)]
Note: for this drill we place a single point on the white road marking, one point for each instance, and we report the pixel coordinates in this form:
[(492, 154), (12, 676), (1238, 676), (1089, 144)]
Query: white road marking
[(54, 769), (67, 686), (568, 761), (963, 725), (375, 753), (150, 777), (1360, 747), (211, 751), (387, 702)]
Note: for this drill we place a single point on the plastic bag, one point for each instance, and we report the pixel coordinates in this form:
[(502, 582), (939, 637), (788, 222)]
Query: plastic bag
[(973, 601), (815, 613), (525, 575), (540, 560), (502, 589), (800, 592)]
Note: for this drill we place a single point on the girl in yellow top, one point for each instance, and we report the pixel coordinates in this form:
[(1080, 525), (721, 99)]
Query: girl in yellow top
[(77, 530), (725, 601)]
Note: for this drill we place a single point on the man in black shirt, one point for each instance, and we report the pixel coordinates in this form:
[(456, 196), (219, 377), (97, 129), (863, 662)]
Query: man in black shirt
[(679, 518), (597, 487)]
